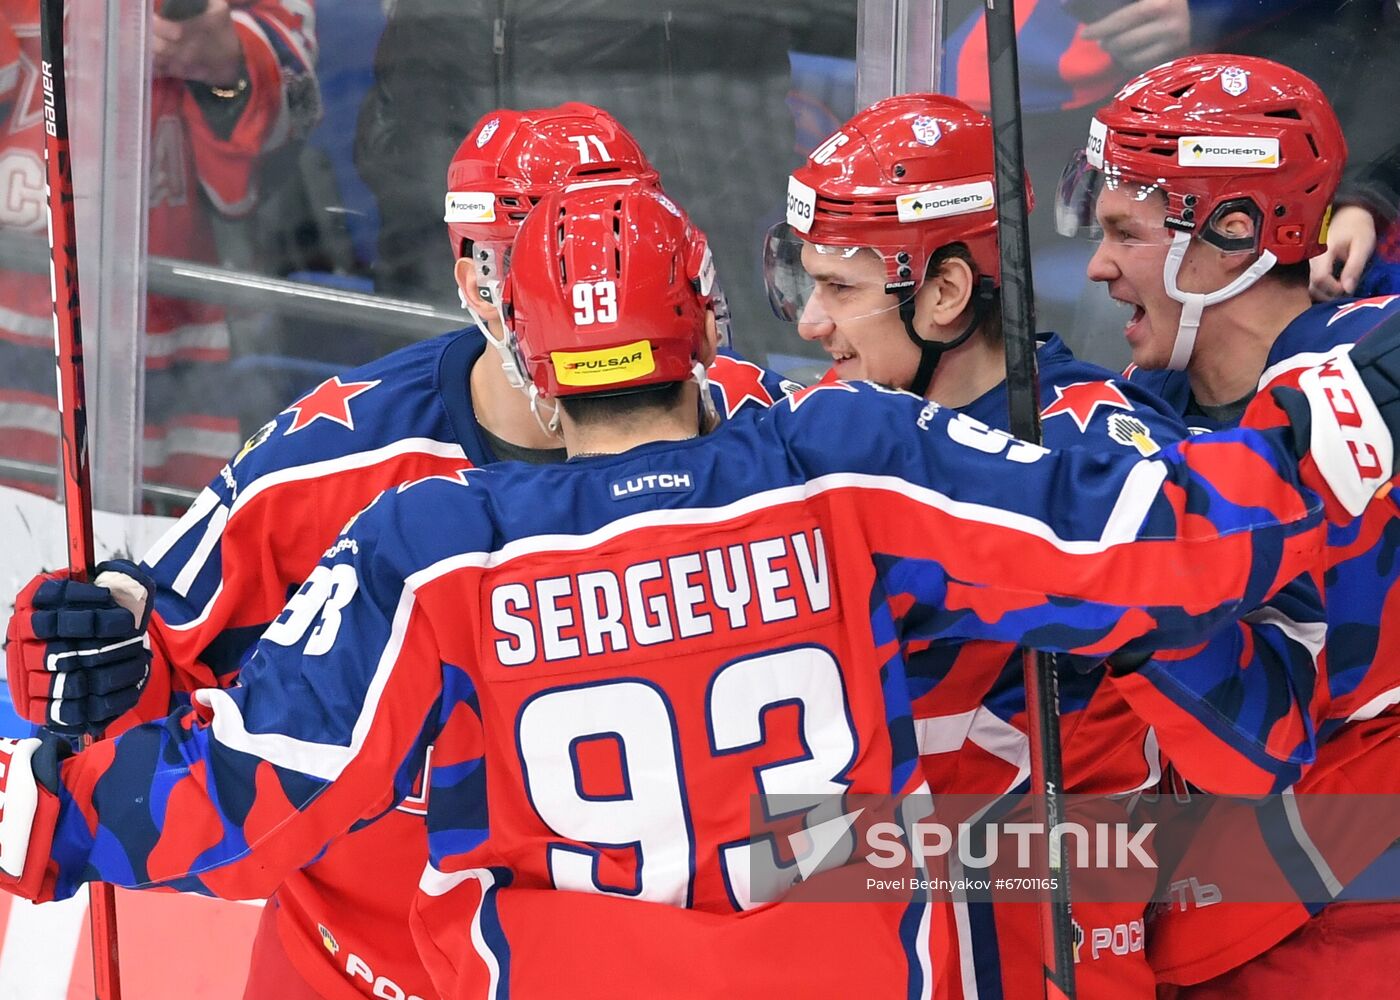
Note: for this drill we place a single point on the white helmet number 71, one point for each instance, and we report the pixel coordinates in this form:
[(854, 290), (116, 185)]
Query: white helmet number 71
[(590, 146)]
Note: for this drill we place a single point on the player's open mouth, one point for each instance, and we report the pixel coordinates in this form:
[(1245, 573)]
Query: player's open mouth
[(1134, 324)]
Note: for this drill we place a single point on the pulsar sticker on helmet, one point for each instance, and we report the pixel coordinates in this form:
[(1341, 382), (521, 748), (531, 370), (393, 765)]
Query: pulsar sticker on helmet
[(938, 203), (608, 366), (1249, 152), (487, 131)]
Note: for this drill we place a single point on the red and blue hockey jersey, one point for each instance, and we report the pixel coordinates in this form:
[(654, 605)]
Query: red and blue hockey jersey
[(972, 726), (1353, 707), (250, 539), (609, 657)]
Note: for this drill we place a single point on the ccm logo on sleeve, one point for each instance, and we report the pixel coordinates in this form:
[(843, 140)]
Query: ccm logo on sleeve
[(1350, 441)]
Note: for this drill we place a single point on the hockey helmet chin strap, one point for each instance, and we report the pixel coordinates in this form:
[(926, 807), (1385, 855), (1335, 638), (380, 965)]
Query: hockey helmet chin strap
[(931, 351), (1194, 303), (509, 364), (709, 416), (549, 424)]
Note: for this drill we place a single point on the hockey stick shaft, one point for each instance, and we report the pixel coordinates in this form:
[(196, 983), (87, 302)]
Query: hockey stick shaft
[(1022, 388), (72, 403)]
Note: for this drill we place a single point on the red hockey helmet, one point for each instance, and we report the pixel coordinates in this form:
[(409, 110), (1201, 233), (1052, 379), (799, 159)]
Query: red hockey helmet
[(1212, 135), (904, 177), (1217, 134), (512, 159), (608, 292)]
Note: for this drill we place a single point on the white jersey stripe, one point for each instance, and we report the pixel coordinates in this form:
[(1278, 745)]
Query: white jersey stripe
[(344, 463), (1138, 493)]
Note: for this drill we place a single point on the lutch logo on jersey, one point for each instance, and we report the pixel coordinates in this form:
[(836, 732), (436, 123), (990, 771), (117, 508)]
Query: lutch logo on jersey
[(565, 615), (604, 367), (651, 482)]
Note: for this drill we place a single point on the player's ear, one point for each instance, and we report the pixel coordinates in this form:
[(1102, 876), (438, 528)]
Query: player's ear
[(464, 271), (709, 347), (946, 293), (1237, 225)]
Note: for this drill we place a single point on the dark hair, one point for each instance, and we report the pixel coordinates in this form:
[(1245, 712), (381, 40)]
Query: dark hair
[(991, 322), (1293, 275), (634, 406)]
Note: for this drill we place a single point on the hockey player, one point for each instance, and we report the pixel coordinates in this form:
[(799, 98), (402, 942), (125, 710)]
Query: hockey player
[(224, 572), (603, 654), (1209, 179), (908, 181)]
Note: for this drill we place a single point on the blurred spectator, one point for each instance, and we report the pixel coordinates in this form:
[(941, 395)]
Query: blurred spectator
[(1366, 205), (1073, 55), (700, 83), (1352, 49), (232, 83)]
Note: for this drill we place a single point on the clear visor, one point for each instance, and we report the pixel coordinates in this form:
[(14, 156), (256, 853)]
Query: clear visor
[(812, 284), (1098, 203)]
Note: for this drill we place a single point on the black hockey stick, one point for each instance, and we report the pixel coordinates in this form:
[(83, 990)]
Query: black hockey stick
[(1023, 397), (183, 10), (72, 404)]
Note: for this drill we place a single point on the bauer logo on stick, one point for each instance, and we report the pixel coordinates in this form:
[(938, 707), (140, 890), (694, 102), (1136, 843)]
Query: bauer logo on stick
[(50, 122)]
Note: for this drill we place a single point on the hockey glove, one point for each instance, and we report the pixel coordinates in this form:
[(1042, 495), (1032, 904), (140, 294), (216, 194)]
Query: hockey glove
[(76, 653), (28, 810)]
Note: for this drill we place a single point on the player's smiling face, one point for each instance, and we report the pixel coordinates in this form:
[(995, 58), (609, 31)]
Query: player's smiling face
[(1130, 260), (853, 318)]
